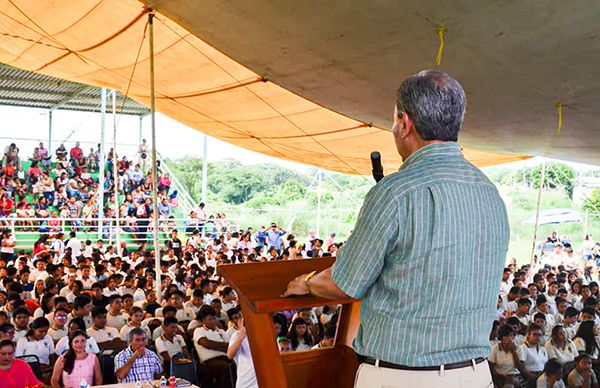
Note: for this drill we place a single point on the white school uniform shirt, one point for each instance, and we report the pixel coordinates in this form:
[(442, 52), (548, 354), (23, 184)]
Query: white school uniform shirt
[(57, 334), (563, 356), (171, 347), (533, 358), (160, 331), (580, 345), (246, 377), (125, 330), (217, 335), (103, 335), (504, 361), (117, 321), (542, 382), (42, 348), (63, 345)]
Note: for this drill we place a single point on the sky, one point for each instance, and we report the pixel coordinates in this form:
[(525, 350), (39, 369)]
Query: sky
[(27, 127)]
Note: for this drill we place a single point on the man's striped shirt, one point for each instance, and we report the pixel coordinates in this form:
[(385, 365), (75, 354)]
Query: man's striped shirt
[(426, 259)]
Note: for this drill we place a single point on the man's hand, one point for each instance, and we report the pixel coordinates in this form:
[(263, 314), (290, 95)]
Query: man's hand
[(140, 352), (296, 287)]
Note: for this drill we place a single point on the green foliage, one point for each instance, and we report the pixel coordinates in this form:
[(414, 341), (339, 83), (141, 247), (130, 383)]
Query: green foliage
[(592, 204), (558, 176)]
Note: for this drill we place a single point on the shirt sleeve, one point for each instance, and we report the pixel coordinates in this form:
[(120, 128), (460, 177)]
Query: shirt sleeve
[(20, 349), (120, 360), (360, 261), (522, 353)]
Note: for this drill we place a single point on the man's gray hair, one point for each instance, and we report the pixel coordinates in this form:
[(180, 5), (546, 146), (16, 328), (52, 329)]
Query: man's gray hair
[(136, 332), (435, 102)]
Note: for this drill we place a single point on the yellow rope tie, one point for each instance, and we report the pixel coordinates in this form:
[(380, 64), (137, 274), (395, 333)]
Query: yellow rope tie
[(559, 108), (440, 31)]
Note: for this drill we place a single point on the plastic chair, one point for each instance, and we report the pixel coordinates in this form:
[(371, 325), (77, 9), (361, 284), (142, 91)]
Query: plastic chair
[(34, 363), (107, 366), (186, 370)]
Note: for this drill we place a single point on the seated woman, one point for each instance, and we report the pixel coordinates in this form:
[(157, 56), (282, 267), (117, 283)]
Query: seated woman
[(15, 373), (76, 365), (41, 207), (37, 342), (299, 335)]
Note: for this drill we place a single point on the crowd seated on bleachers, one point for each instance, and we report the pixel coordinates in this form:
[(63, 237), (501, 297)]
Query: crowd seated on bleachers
[(64, 299)]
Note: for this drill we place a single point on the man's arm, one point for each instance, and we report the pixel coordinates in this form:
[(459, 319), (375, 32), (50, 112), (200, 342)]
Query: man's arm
[(320, 285), (123, 371), (213, 345)]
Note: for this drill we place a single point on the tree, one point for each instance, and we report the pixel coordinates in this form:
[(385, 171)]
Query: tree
[(592, 203)]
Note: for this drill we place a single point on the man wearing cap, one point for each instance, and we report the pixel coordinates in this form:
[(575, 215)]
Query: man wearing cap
[(437, 224), (274, 237)]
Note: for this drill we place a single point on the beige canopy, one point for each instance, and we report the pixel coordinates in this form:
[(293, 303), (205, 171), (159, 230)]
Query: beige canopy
[(105, 43)]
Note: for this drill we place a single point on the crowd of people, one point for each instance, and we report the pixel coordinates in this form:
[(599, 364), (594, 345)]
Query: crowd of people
[(547, 331)]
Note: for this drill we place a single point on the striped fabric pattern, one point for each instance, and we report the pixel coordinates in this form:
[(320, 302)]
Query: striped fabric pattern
[(426, 259)]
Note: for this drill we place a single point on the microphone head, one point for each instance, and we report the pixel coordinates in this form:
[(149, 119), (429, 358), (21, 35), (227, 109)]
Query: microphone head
[(377, 167), (375, 156)]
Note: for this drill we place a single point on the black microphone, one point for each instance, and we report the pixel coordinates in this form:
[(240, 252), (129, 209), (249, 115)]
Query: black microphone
[(377, 167)]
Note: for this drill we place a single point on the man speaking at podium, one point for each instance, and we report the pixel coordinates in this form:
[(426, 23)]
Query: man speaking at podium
[(426, 255)]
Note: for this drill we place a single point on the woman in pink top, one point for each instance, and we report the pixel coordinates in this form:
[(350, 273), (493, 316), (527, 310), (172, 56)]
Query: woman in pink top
[(15, 373), (76, 364)]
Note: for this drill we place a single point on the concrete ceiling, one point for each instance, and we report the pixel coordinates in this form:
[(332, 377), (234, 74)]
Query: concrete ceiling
[(515, 58)]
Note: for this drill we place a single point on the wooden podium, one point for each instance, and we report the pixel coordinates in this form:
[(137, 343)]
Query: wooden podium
[(259, 287)]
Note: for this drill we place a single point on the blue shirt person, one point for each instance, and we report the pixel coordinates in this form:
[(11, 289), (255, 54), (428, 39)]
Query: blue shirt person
[(274, 237)]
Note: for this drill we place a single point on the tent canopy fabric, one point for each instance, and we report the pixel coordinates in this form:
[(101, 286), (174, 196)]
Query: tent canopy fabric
[(105, 43), (555, 216)]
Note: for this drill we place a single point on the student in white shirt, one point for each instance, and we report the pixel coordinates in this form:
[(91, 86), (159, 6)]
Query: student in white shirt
[(239, 351), (504, 359), (58, 329), (211, 344), (532, 353), (106, 337), (135, 320), (560, 347), (63, 345), (552, 376), (170, 345), (585, 339), (37, 342), (116, 317)]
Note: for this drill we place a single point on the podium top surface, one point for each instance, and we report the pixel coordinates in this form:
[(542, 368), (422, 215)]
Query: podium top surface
[(261, 284)]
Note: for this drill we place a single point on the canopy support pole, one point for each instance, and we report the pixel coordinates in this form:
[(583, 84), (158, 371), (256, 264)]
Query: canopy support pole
[(319, 203), (50, 133), (140, 131), (154, 165), (116, 174), (537, 212), (205, 169), (102, 163)]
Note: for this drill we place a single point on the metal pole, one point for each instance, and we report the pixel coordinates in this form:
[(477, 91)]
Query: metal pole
[(140, 131), (205, 169), (102, 162), (154, 172), (50, 133), (116, 173), (537, 212), (319, 203)]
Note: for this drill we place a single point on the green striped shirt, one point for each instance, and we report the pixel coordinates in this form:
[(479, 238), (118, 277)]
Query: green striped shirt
[(426, 259)]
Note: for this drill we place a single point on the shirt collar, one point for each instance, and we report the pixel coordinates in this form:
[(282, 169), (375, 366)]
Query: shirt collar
[(436, 149)]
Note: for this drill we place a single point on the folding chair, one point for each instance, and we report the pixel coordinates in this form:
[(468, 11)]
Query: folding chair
[(34, 363)]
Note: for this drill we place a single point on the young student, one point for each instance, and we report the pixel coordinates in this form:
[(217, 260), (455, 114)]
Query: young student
[(552, 376), (582, 376), (239, 351), (211, 343), (299, 335), (116, 317), (105, 336), (170, 345)]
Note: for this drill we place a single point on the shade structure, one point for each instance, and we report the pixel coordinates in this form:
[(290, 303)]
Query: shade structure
[(104, 43), (555, 216)]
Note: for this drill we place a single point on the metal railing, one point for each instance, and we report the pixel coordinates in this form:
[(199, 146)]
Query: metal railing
[(28, 230), (186, 202)]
